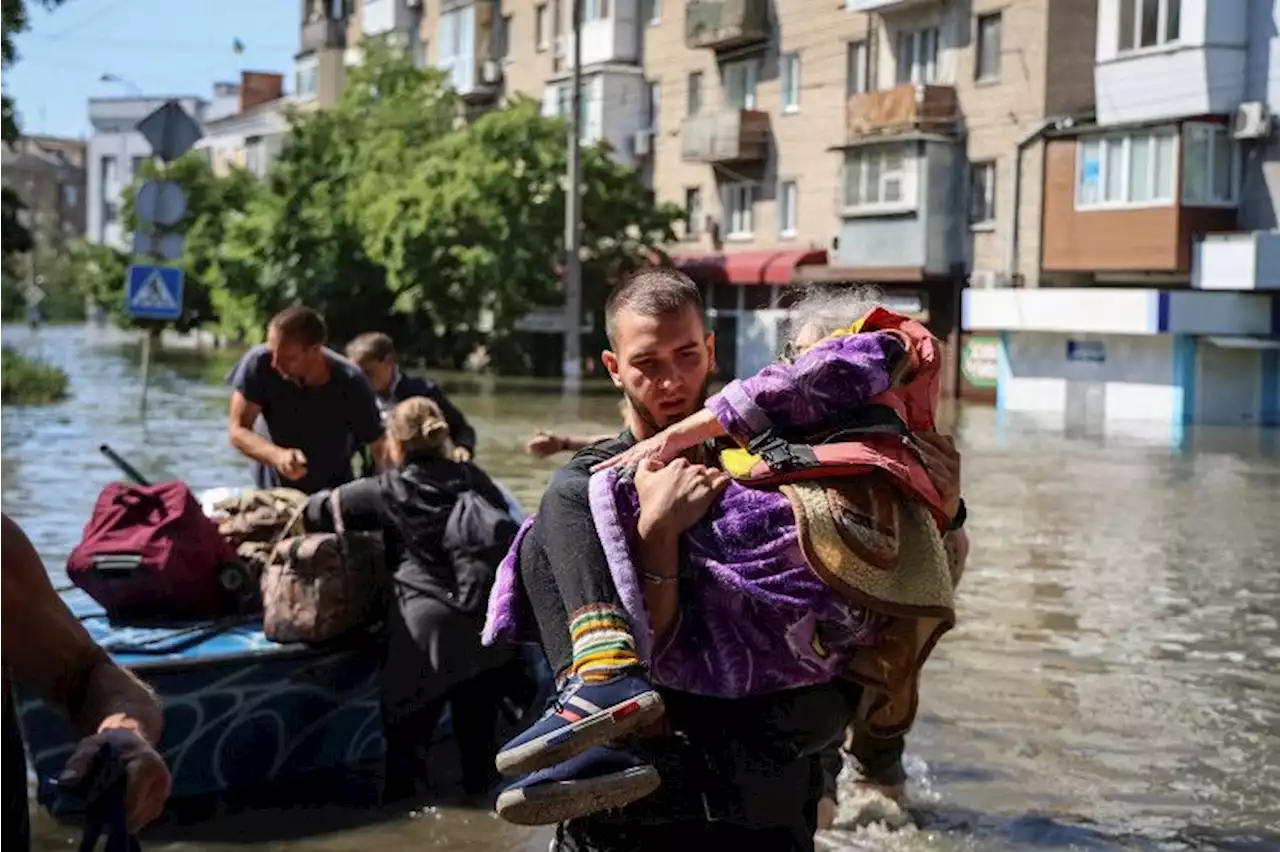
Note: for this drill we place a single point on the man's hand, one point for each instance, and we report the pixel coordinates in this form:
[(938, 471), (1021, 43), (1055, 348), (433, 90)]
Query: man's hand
[(675, 496), (461, 454), (148, 780), (544, 444), (942, 462), (291, 463)]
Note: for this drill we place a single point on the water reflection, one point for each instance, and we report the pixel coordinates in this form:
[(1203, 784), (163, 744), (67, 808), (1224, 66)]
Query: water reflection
[(1114, 681)]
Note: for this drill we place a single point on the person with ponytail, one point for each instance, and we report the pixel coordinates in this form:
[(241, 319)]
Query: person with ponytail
[(434, 656)]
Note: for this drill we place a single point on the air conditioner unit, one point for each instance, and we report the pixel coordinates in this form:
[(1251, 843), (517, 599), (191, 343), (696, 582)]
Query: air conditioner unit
[(491, 72), (644, 143), (1252, 120)]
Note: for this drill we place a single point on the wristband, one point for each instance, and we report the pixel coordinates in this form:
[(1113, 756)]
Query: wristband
[(962, 515), (658, 579)]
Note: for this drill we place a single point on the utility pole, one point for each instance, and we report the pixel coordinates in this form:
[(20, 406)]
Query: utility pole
[(573, 220)]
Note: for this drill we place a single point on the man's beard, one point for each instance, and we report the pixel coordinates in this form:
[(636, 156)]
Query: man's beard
[(645, 416)]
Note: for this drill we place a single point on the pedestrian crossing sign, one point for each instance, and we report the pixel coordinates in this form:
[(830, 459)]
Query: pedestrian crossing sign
[(154, 292)]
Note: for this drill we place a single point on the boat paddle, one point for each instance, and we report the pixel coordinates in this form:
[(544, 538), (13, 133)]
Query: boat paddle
[(125, 468)]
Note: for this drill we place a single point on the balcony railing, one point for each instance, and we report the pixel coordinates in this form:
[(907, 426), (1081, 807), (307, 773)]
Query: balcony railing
[(322, 32), (731, 136), (724, 24), (904, 108)]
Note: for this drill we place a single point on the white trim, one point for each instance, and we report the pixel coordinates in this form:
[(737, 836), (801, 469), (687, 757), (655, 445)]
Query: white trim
[(1162, 23), (906, 175), (788, 209), (1126, 141)]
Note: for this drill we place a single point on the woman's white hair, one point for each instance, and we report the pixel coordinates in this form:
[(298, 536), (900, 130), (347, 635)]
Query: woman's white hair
[(821, 311)]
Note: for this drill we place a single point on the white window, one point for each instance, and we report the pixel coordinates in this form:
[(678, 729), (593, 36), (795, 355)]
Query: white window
[(739, 210), (417, 48), (305, 78), (693, 100), (594, 10), (988, 47), (108, 170), (1131, 169), (917, 56), (855, 74), (449, 40), (1210, 165), (879, 178), (740, 83), (654, 16), (1149, 23), (982, 193), (790, 82), (692, 213), (541, 35), (788, 200)]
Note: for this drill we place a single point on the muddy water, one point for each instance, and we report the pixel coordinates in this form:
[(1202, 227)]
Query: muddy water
[(1114, 682)]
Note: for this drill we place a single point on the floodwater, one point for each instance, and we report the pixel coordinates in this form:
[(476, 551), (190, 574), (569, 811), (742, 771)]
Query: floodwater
[(1114, 682)]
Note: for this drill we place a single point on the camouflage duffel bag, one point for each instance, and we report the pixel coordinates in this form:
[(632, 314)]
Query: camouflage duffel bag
[(321, 586)]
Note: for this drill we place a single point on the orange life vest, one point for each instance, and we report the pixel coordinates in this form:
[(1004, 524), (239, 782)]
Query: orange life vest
[(876, 436)]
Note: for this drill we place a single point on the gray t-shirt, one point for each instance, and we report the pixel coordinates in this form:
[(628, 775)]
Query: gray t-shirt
[(329, 422)]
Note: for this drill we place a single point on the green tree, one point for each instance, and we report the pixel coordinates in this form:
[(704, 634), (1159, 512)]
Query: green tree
[(13, 17)]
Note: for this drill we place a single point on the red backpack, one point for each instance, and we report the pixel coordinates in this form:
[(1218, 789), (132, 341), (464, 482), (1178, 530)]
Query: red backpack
[(149, 552)]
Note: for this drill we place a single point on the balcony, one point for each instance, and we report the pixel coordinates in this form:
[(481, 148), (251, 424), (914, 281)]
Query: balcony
[(322, 32), (732, 136), (1237, 262), (904, 108), (725, 24), (881, 5)]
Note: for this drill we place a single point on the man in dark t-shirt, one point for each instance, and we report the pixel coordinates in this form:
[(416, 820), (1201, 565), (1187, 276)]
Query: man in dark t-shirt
[(317, 408)]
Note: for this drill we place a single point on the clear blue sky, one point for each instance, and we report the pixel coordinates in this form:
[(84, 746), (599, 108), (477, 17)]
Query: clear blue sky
[(165, 47)]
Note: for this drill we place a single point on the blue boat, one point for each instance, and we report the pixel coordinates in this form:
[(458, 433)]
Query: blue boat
[(239, 709)]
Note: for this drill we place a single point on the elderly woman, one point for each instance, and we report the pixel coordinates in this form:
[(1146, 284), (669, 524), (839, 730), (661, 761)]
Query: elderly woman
[(779, 588), (434, 655)]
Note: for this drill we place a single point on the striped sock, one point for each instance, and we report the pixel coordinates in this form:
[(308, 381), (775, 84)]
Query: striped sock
[(602, 642)]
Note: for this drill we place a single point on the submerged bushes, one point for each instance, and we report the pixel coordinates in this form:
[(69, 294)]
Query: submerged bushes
[(26, 381)]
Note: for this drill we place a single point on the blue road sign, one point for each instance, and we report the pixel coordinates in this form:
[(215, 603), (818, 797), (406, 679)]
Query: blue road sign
[(154, 292)]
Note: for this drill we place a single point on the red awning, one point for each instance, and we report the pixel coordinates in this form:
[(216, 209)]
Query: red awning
[(772, 268)]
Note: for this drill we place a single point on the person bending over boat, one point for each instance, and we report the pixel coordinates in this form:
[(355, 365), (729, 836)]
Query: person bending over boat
[(46, 647), (442, 573), (315, 409), (769, 605), (375, 354)]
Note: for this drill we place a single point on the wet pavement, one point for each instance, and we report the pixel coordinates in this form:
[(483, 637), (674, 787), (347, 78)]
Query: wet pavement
[(1114, 682)]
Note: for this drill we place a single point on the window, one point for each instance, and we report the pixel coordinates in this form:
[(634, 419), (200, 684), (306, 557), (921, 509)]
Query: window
[(109, 170), (740, 83), (654, 14), (694, 99), (305, 78), (1210, 165), (655, 105), (1133, 169), (855, 68), (739, 210), (917, 55), (1149, 23), (594, 10), (254, 158), (449, 41), (982, 193), (790, 82), (693, 213), (110, 212), (70, 195), (541, 37), (878, 177), (135, 166), (788, 197), (502, 50), (989, 47)]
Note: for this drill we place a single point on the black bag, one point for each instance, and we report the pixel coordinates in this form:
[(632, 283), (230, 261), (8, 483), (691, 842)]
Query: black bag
[(476, 537)]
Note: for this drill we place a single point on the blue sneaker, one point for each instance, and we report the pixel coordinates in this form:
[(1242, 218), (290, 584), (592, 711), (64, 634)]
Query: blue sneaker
[(583, 715), (598, 779)]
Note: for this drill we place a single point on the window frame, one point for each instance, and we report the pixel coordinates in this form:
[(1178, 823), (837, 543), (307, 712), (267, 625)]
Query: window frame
[(541, 37), (1163, 41), (748, 193), (859, 84), (989, 196), (789, 81), (788, 209), (693, 93), (308, 67), (926, 67), (907, 176), (1218, 134), (1105, 141), (981, 75), (694, 216), (751, 82)]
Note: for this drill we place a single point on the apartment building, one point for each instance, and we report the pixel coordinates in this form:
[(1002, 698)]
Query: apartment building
[(253, 131), (48, 173), (1158, 234)]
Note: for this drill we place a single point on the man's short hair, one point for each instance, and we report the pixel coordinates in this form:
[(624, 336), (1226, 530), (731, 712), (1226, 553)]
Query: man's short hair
[(653, 292), (371, 346), (300, 324)]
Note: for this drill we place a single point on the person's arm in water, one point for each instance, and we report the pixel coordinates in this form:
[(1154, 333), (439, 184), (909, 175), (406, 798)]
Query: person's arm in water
[(544, 444), (815, 389), (48, 649)]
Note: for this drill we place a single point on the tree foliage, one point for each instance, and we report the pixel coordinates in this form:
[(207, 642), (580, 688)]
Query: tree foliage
[(390, 212)]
